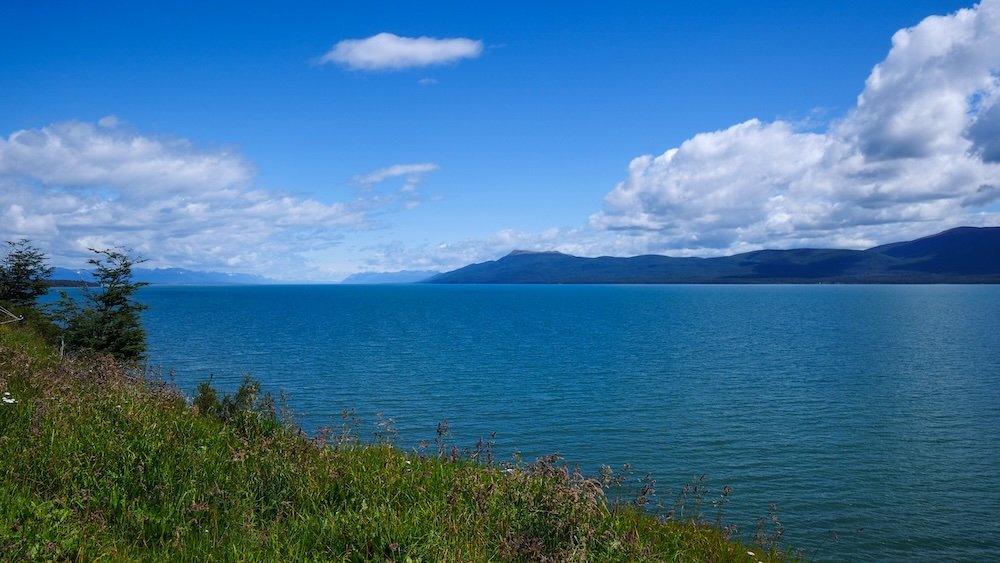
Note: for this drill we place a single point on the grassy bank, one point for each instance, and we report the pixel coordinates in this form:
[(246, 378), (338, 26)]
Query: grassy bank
[(96, 463)]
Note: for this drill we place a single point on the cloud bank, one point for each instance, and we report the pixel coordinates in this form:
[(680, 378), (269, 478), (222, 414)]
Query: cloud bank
[(386, 51), (919, 152), (73, 185)]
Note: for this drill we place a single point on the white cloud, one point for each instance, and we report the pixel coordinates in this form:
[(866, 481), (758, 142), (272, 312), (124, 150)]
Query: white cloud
[(74, 185), (386, 51), (75, 154), (412, 172), (919, 153), (406, 196)]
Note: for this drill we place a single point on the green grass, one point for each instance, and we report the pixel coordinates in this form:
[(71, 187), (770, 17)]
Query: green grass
[(97, 464)]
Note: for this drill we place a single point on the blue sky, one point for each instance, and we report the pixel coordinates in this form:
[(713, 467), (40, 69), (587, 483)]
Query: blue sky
[(293, 140)]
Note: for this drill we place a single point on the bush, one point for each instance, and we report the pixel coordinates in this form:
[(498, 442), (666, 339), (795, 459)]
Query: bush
[(247, 401)]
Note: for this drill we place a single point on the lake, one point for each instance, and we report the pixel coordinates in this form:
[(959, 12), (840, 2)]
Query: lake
[(869, 412)]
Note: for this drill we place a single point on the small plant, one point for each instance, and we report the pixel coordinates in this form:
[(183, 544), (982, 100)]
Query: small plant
[(769, 530), (720, 507), (347, 437), (483, 452), (385, 429), (441, 439)]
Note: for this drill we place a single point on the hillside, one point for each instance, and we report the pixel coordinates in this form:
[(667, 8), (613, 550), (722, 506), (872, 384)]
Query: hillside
[(960, 255)]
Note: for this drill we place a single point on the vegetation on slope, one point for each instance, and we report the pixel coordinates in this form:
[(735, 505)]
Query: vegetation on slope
[(100, 462)]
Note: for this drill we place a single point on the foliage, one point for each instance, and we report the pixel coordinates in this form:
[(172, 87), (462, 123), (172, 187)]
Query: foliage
[(206, 402), (23, 271), (109, 321), (247, 401)]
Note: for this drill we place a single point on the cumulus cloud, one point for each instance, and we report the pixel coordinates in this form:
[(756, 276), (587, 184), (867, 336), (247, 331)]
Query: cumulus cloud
[(919, 152), (76, 154), (75, 185), (386, 51)]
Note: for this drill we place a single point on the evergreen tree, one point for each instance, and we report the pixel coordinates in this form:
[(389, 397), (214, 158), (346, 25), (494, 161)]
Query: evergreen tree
[(109, 320), (23, 272)]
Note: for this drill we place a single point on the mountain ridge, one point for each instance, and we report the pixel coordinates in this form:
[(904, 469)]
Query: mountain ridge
[(958, 255)]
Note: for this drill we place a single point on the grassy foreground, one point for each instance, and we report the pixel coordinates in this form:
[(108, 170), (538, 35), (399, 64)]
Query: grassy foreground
[(96, 464)]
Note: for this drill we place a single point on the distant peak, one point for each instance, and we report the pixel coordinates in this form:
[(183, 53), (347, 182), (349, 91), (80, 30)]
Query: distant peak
[(520, 252)]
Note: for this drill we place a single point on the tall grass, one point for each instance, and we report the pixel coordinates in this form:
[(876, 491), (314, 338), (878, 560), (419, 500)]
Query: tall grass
[(100, 462)]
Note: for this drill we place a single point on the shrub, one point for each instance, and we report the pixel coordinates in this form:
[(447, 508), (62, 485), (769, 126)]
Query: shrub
[(248, 401)]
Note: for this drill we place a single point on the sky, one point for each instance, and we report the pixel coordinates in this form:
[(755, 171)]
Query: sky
[(306, 141)]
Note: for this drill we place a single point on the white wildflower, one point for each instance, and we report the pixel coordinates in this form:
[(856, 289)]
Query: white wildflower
[(8, 399)]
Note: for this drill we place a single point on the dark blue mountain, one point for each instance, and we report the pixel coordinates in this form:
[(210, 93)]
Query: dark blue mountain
[(962, 251), (961, 255)]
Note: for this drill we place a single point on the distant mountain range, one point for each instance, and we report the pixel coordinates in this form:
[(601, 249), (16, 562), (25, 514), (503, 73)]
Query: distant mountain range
[(167, 276), (406, 276), (960, 255)]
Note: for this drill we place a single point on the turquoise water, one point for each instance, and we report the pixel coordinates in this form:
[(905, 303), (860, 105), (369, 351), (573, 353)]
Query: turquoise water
[(869, 411)]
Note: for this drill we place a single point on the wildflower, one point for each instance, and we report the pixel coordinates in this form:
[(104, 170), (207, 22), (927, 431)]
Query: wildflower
[(751, 554), (8, 399)]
